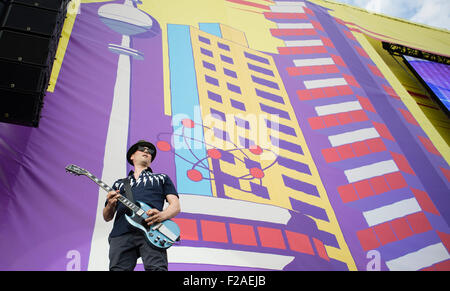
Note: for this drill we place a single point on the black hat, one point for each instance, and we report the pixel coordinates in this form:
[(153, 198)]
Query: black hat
[(134, 148)]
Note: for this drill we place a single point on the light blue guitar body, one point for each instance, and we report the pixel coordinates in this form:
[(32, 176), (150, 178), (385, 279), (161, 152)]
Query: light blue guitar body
[(162, 235)]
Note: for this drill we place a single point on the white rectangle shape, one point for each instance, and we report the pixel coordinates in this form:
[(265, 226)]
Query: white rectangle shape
[(322, 83), (391, 211), (294, 25), (353, 136), (303, 43), (225, 257), (420, 259), (287, 8), (208, 205), (290, 3), (370, 171), (338, 108), (313, 62)]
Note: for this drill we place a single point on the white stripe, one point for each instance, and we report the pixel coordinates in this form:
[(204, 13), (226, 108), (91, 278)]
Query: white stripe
[(287, 8), (199, 204), (296, 3), (353, 136), (211, 256), (113, 167), (392, 211), (294, 25), (420, 259), (338, 108), (325, 83), (303, 43), (313, 62), (370, 171)]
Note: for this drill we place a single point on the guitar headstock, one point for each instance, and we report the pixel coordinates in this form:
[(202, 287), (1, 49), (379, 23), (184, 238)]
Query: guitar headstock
[(74, 169)]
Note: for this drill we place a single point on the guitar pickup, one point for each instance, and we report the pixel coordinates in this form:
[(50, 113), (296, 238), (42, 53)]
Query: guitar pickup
[(167, 232), (156, 227), (140, 212)]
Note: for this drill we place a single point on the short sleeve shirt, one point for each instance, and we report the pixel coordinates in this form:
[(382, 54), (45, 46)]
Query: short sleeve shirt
[(149, 188)]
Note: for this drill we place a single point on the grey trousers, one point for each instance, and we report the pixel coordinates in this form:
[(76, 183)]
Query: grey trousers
[(124, 251)]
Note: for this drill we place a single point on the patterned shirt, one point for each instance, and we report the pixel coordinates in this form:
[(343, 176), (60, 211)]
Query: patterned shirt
[(149, 188)]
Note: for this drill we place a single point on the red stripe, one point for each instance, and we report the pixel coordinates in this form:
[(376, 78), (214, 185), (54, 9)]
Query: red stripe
[(248, 10), (368, 239), (280, 15), (351, 150), (271, 237), (302, 50), (384, 233), (291, 32), (248, 3), (424, 201), (369, 187), (314, 70), (429, 145), (419, 222), (402, 163), (299, 242), (446, 173)]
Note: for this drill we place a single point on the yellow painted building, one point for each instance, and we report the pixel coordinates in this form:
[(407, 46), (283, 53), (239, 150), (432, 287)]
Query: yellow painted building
[(241, 93)]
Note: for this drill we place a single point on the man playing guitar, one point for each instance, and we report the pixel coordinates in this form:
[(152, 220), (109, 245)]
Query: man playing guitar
[(126, 243)]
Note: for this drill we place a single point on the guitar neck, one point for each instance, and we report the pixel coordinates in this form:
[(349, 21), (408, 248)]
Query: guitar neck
[(99, 182), (133, 207)]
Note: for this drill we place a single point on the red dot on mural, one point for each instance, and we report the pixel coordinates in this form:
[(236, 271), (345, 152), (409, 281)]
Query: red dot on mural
[(188, 123), (194, 175), (214, 153), (163, 146), (255, 149), (257, 173)]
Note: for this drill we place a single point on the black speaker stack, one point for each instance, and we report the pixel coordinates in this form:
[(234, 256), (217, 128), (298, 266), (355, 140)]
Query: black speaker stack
[(29, 34)]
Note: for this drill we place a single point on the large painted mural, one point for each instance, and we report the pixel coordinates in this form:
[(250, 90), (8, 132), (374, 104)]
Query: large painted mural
[(289, 147)]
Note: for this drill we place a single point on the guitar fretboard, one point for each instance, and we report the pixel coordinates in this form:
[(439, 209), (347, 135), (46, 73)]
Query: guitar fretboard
[(136, 209), (99, 182)]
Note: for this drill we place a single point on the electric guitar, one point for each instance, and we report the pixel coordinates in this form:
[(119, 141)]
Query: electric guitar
[(161, 235)]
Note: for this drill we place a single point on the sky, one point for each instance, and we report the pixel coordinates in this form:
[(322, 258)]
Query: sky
[(430, 12)]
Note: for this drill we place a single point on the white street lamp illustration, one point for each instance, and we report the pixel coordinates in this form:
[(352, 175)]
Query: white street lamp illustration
[(127, 20)]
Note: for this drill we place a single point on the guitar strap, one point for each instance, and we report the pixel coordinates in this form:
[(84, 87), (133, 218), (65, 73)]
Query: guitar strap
[(128, 192)]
